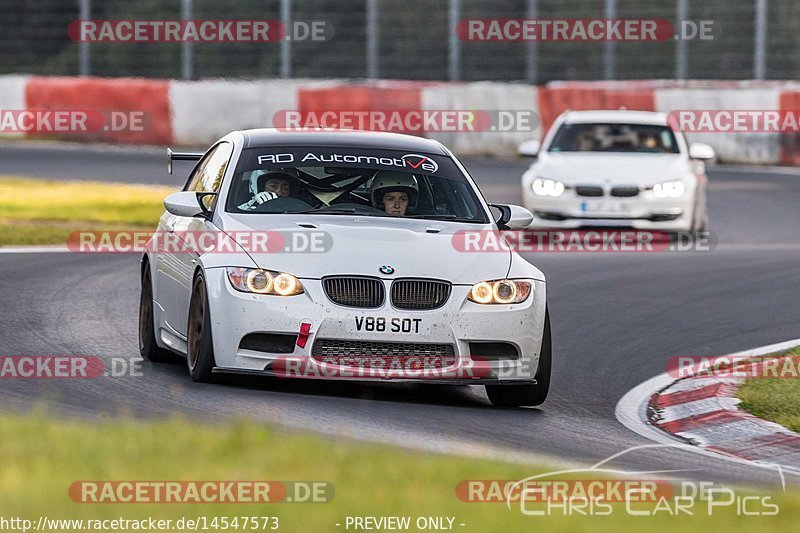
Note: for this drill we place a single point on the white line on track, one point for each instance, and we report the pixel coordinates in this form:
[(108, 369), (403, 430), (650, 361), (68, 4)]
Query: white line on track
[(755, 169), (33, 249)]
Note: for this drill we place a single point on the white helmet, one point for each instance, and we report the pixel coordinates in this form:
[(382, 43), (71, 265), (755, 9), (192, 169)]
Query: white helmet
[(263, 176), (390, 181)]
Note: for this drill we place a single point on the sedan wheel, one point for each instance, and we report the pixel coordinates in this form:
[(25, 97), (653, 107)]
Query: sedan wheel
[(200, 352)]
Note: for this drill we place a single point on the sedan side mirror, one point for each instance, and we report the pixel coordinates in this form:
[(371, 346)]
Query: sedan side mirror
[(183, 204), (701, 151), (530, 148), (513, 217)]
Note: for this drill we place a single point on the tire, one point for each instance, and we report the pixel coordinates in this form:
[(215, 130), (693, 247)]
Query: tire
[(697, 233), (528, 395), (701, 225), (148, 347), (200, 348)]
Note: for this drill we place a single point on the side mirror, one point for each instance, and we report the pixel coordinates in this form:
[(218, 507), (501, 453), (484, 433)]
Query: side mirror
[(530, 148), (701, 151), (512, 217), (184, 204)]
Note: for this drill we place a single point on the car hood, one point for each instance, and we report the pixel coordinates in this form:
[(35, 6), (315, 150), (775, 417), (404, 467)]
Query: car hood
[(361, 245), (615, 169)]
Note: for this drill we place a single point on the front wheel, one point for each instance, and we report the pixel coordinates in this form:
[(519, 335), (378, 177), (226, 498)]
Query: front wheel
[(200, 349), (528, 395)]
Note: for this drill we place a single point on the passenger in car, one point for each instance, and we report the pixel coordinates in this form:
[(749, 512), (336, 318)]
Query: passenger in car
[(394, 192)]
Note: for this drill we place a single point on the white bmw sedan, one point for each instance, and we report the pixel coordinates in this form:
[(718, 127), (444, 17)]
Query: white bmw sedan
[(616, 168), (336, 255)]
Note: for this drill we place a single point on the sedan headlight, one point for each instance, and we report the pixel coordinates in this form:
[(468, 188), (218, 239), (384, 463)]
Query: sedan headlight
[(260, 281), (546, 187), (669, 189), (500, 291)]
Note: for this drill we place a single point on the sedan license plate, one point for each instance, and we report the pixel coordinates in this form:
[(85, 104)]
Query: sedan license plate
[(383, 324), (605, 207)]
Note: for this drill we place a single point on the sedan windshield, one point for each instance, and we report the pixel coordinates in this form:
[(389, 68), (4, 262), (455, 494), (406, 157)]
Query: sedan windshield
[(381, 183), (644, 138)]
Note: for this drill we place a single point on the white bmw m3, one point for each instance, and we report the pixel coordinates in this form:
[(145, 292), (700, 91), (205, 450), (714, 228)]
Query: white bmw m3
[(334, 255)]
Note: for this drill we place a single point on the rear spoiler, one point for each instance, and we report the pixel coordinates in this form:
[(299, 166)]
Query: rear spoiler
[(181, 156)]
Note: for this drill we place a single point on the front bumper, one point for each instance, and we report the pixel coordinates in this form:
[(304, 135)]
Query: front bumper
[(459, 323), (644, 211)]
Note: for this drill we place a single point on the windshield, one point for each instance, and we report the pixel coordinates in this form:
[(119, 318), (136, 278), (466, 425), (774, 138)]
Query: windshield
[(644, 138), (343, 181)]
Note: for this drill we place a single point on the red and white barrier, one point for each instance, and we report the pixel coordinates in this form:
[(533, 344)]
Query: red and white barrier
[(732, 147), (484, 96), (556, 98), (197, 113), (204, 111), (12, 94), (123, 95)]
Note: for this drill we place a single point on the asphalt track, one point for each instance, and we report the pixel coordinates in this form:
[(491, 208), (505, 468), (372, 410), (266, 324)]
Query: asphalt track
[(616, 318)]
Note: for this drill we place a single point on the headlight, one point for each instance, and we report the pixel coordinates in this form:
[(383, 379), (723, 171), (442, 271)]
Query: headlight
[(500, 291), (262, 281), (545, 187), (669, 189)]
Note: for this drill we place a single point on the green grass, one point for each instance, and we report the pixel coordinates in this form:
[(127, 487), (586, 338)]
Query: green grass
[(46, 212), (42, 457), (44, 233), (20, 233), (776, 399)]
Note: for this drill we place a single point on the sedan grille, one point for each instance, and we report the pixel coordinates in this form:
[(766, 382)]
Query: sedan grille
[(354, 291), (419, 293), (625, 192), (588, 190), (388, 355)]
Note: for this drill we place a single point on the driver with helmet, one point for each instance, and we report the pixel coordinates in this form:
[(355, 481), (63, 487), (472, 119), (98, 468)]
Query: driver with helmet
[(266, 186)]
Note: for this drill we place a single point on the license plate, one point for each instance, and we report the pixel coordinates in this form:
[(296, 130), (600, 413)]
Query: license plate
[(383, 324), (605, 207)]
